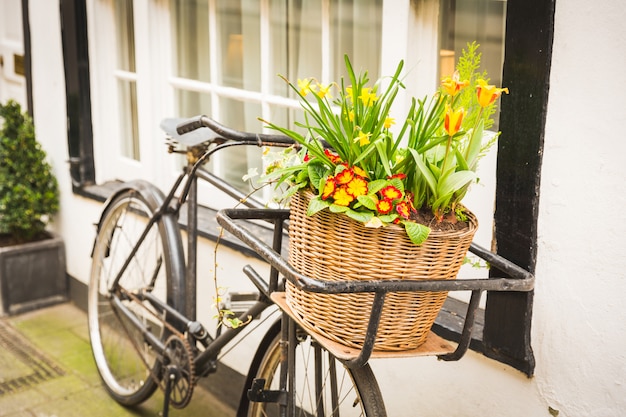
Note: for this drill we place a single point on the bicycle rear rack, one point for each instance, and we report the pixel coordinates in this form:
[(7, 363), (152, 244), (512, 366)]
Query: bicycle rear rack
[(517, 279)]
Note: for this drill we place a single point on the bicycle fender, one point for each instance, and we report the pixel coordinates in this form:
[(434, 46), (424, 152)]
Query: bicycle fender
[(154, 198)]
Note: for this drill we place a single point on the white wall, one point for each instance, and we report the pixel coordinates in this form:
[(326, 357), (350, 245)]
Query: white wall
[(578, 327)]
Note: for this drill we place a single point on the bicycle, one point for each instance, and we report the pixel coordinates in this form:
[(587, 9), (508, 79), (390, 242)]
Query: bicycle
[(141, 301)]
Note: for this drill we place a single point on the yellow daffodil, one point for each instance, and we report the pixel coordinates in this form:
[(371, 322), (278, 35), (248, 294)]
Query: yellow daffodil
[(368, 98), (363, 138), (304, 86), (487, 94), (453, 119), (323, 90), (389, 121), (452, 85), (349, 93)]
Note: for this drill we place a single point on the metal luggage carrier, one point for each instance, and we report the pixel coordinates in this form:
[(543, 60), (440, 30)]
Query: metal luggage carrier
[(518, 280)]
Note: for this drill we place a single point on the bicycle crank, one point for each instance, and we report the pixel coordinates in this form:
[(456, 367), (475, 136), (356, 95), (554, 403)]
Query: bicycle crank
[(178, 372)]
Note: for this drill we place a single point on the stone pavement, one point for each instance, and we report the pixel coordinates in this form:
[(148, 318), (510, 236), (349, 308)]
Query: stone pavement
[(46, 370)]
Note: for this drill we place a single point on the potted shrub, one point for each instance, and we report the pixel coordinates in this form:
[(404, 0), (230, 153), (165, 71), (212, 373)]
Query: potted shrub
[(32, 260)]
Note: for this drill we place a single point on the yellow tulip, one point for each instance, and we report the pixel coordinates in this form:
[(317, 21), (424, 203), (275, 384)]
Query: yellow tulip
[(452, 85), (453, 119), (487, 94)]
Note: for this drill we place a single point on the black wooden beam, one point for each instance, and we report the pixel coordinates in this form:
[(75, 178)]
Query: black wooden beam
[(526, 72), (78, 92)]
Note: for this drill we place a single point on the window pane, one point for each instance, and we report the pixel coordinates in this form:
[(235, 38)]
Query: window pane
[(129, 131), (239, 40), (235, 162), (296, 46), (191, 39), (127, 88), (356, 30), (125, 34), (464, 21), (192, 103)]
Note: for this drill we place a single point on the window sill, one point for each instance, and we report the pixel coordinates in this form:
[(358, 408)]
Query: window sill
[(449, 323)]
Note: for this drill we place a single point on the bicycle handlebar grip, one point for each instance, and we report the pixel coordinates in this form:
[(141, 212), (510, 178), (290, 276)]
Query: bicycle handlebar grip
[(190, 125)]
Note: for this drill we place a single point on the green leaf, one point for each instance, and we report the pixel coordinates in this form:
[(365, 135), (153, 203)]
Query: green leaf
[(338, 209), (369, 201), (455, 181), (388, 218), (375, 186), (418, 233), (316, 172), (360, 216), (430, 179), (315, 205)]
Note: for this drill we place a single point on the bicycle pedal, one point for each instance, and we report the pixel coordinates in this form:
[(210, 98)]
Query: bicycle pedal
[(258, 394)]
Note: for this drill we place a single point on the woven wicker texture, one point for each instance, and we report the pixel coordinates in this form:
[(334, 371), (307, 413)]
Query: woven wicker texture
[(333, 247)]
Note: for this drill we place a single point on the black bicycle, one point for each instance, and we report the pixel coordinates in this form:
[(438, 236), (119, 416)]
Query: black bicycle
[(142, 296)]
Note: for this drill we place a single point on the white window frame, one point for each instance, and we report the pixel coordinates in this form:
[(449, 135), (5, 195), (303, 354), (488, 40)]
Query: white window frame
[(409, 32)]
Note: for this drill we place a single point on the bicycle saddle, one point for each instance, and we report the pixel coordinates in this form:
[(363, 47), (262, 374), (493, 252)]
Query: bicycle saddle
[(196, 137)]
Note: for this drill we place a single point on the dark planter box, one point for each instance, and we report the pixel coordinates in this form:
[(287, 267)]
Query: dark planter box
[(32, 275)]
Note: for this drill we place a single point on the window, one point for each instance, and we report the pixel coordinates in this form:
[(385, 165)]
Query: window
[(221, 58), (228, 55)]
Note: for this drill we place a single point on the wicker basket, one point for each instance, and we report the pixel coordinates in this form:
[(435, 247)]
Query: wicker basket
[(333, 247)]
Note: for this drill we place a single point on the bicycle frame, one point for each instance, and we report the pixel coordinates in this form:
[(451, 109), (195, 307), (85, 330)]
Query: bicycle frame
[(187, 184), (183, 322)]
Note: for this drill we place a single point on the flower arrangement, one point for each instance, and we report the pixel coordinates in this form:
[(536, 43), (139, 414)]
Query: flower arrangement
[(355, 164)]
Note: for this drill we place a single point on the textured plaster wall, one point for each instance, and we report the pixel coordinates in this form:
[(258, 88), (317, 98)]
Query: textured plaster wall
[(579, 331)]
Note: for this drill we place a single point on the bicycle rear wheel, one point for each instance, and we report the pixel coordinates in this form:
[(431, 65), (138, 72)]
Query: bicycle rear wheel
[(127, 365), (323, 386)]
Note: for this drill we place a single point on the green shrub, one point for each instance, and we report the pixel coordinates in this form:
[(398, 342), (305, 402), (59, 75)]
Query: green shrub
[(29, 193)]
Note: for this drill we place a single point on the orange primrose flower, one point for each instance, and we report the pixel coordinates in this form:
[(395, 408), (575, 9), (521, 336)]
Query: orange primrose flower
[(487, 94), (334, 158), (359, 171), (344, 176), (384, 206), (342, 197), (403, 210), (452, 85), (329, 188), (399, 175), (357, 187), (391, 193), (453, 119)]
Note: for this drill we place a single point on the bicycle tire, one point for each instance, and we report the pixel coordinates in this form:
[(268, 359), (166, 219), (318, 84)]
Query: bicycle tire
[(127, 366), (357, 393)]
